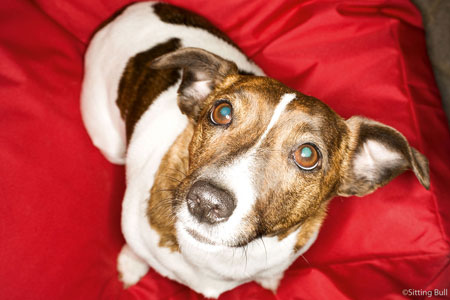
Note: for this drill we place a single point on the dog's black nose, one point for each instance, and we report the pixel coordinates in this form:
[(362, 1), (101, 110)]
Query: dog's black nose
[(209, 203)]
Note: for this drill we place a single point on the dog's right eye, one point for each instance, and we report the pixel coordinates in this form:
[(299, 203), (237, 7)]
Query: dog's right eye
[(222, 113)]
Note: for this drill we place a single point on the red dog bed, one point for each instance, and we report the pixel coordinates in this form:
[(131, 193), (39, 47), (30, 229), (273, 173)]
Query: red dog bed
[(60, 199)]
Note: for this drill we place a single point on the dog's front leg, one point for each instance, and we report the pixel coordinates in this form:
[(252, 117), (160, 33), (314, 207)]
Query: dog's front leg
[(130, 266), (270, 282)]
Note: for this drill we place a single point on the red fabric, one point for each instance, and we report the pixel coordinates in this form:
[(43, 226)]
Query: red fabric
[(60, 199)]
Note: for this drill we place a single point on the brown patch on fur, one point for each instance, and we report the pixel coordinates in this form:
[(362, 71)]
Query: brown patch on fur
[(140, 85), (310, 226), (176, 15), (171, 172)]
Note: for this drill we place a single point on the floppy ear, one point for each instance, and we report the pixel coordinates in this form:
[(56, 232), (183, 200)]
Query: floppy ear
[(202, 72), (378, 154)]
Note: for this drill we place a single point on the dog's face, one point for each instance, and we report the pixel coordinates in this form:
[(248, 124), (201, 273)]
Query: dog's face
[(266, 153), (264, 159)]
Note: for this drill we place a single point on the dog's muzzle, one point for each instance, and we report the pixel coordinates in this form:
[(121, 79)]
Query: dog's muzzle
[(209, 203)]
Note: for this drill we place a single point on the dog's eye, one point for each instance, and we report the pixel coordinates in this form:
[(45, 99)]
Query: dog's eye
[(307, 156), (222, 113)]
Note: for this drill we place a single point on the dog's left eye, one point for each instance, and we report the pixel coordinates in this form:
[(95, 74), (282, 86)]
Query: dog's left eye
[(307, 156), (222, 113)]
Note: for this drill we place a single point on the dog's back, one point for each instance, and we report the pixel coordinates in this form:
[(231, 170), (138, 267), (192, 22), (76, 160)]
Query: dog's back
[(118, 84)]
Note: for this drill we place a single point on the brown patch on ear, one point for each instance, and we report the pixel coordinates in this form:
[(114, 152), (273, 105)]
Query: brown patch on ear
[(420, 167), (171, 172), (360, 178), (139, 85), (202, 72), (177, 15), (243, 72)]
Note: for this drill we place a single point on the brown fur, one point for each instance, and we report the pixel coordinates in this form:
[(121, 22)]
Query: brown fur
[(197, 65), (177, 15), (140, 85)]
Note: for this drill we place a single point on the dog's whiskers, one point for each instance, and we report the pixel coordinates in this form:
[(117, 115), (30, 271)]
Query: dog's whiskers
[(165, 202), (264, 245), (180, 159), (175, 169), (162, 203), (173, 178), (244, 250), (163, 190)]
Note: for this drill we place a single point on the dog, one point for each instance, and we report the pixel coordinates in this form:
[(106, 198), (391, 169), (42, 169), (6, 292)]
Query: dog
[(219, 158)]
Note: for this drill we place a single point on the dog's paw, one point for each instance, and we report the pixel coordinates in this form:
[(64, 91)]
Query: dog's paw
[(130, 266), (270, 283)]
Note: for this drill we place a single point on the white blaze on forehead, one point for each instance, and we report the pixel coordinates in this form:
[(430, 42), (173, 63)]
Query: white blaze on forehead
[(285, 100)]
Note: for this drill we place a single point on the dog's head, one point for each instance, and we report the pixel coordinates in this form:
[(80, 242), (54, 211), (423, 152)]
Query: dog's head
[(264, 159)]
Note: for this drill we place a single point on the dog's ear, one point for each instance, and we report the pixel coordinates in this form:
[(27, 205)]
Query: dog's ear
[(378, 153), (202, 72)]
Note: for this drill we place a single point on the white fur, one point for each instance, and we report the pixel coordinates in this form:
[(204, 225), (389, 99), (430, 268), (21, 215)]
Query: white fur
[(205, 268), (372, 157), (284, 101), (130, 266), (198, 90)]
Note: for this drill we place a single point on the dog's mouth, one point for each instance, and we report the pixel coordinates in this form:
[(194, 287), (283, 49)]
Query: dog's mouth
[(204, 240), (212, 236), (200, 237)]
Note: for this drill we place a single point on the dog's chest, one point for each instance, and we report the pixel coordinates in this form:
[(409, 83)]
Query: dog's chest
[(261, 258)]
